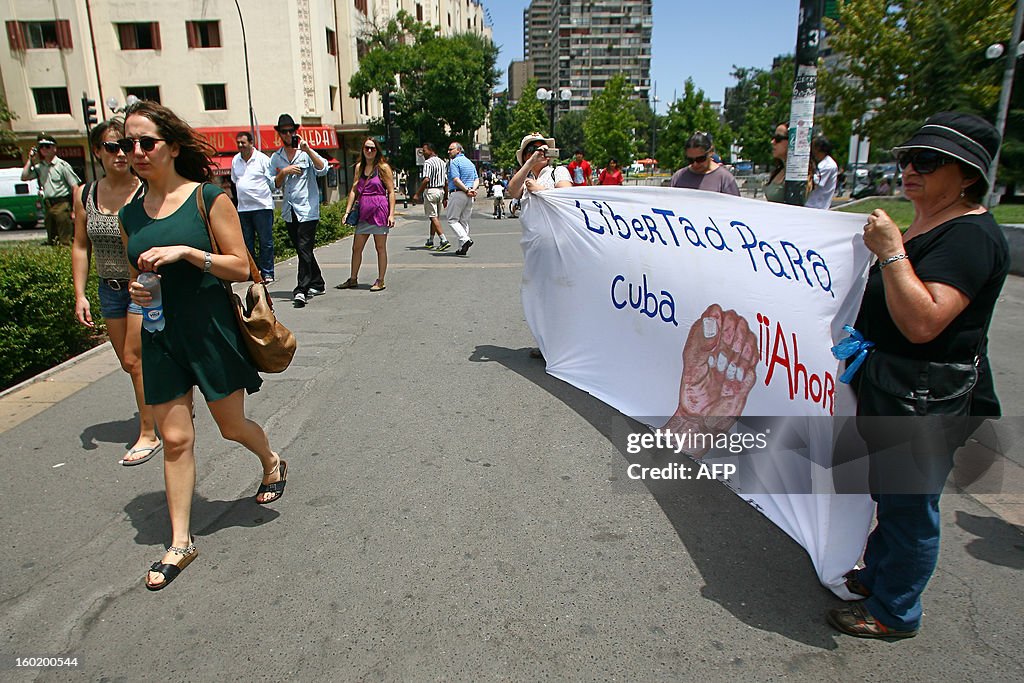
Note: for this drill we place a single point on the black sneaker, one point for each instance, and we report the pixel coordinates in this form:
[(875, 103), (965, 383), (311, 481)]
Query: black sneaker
[(299, 300), (444, 246), (313, 291), (464, 249), (429, 244)]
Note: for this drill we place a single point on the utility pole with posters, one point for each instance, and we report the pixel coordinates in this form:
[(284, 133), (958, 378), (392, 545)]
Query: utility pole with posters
[(801, 111)]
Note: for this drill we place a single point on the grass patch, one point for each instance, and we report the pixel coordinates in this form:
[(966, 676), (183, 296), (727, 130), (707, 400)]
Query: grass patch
[(902, 211)]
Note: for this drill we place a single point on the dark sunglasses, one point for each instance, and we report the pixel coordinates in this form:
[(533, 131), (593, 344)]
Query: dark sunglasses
[(698, 160), (111, 147), (780, 138), (147, 144), (369, 148), (925, 161)]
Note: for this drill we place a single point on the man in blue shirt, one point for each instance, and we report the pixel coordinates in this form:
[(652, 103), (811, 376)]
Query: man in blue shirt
[(296, 167), (462, 183)]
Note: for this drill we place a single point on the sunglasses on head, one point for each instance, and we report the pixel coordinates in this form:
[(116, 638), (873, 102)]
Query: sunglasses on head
[(925, 161), (780, 138), (697, 160), (147, 143)]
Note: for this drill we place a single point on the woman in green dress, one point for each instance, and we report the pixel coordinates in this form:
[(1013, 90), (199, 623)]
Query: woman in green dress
[(200, 344)]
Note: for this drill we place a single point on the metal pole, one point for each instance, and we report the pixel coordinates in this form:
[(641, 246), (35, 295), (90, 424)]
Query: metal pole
[(1004, 98), (801, 113), (248, 85)]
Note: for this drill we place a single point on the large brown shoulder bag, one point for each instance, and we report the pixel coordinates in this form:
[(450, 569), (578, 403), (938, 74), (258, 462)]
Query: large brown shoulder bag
[(271, 345)]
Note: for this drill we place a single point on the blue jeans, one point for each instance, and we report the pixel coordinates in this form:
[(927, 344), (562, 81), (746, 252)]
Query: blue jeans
[(260, 223), (900, 557)]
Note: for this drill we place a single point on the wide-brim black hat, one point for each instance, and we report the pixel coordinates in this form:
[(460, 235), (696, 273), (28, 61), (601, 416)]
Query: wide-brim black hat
[(965, 137), (286, 121)]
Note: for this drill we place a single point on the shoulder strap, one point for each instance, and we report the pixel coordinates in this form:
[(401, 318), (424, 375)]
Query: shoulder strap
[(254, 272), (87, 193)]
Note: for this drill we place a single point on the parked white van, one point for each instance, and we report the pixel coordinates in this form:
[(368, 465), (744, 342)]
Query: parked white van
[(19, 200)]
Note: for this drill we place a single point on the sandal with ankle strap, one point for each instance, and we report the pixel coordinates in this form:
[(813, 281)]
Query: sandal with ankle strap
[(170, 571), (277, 487)]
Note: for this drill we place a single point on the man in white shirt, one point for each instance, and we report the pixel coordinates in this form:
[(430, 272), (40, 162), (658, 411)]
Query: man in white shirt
[(254, 183), (826, 175)]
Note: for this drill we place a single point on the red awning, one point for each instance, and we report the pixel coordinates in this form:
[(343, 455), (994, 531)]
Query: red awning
[(222, 165), (223, 137)]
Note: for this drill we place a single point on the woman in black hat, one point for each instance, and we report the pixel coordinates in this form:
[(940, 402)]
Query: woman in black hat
[(926, 308)]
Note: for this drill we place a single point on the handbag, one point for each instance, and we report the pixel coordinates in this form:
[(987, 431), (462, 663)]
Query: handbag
[(352, 217), (271, 345)]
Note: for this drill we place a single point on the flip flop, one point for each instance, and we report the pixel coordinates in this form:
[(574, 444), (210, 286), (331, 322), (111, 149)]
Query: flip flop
[(153, 450)]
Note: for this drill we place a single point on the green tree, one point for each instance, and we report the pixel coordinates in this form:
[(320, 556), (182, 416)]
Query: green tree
[(908, 59), (686, 116), (610, 125), (759, 101), (501, 117), (8, 141), (441, 85), (527, 116), (569, 132)]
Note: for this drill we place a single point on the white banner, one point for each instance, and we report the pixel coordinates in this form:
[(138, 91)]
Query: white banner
[(679, 306)]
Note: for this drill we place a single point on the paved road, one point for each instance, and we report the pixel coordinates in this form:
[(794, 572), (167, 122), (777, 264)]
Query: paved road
[(454, 513), (22, 234)]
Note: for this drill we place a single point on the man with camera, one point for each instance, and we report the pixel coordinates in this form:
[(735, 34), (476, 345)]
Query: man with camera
[(296, 167), (462, 183), (57, 181)]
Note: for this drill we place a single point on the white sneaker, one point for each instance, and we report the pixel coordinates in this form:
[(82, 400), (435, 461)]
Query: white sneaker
[(313, 291), (299, 300)]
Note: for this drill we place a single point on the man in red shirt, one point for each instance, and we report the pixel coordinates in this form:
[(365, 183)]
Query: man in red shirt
[(579, 169)]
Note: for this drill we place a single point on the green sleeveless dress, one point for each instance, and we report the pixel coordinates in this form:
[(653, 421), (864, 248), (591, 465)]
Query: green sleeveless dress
[(200, 344)]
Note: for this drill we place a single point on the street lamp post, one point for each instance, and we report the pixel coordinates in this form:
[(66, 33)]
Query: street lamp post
[(545, 95), (994, 52)]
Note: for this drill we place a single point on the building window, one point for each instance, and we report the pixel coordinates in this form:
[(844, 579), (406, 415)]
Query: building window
[(214, 97), (419, 12), (142, 35), (52, 100), (38, 35), (144, 92), (332, 43), (361, 6), (203, 33), (334, 95)]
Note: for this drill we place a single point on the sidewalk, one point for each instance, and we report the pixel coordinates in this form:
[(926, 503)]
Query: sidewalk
[(453, 513)]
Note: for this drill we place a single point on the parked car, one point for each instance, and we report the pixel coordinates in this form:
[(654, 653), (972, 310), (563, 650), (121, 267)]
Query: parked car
[(19, 200)]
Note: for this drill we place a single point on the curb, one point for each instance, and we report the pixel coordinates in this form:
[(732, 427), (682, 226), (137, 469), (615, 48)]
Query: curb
[(66, 365)]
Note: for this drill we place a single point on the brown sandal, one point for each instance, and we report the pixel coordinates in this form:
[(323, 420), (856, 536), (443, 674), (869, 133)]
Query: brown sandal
[(350, 283)]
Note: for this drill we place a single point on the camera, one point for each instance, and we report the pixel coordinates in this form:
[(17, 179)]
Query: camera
[(295, 141)]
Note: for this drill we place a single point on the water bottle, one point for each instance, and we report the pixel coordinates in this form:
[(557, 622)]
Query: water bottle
[(153, 314)]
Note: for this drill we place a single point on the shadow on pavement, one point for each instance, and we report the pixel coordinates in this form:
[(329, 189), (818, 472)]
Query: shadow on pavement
[(148, 514), (120, 431), (998, 542), (749, 566)]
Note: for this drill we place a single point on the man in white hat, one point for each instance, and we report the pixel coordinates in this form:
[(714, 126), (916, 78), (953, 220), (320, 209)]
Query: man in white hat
[(57, 182)]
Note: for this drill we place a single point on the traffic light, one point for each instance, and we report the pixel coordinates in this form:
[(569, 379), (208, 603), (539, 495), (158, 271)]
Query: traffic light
[(389, 109), (89, 112)]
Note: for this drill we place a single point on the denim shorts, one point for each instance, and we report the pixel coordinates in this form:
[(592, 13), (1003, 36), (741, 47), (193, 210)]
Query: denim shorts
[(115, 303)]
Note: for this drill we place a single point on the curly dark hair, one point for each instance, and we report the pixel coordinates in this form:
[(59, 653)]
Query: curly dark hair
[(194, 151)]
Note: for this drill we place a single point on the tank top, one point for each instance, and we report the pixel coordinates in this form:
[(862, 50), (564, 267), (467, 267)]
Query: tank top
[(104, 232)]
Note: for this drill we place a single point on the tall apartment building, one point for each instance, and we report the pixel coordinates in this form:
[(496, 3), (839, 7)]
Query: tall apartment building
[(580, 44), (189, 55)]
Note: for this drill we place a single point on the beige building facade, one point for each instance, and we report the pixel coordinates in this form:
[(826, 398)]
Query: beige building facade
[(191, 56)]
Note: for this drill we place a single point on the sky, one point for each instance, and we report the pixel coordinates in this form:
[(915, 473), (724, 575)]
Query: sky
[(699, 40)]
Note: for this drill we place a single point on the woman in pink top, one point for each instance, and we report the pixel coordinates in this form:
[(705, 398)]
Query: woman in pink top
[(376, 192), (611, 175)]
